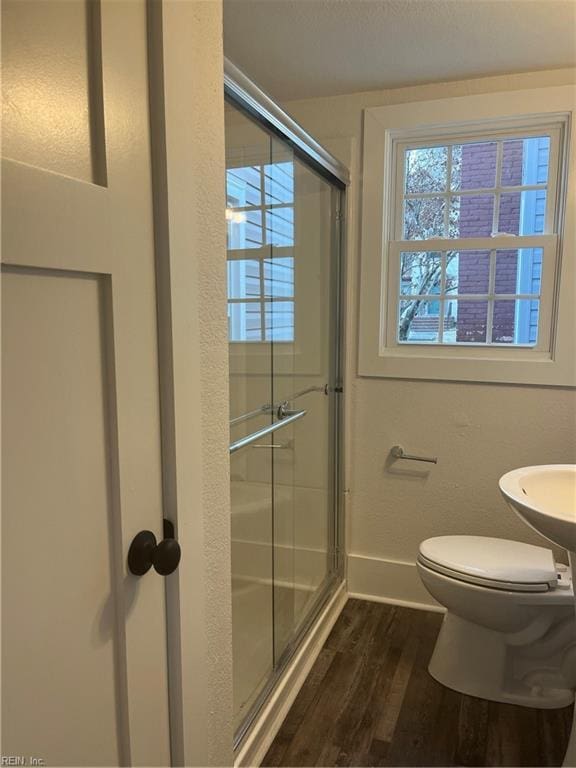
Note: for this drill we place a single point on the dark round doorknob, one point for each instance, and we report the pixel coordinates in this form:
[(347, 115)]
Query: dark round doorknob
[(145, 552)]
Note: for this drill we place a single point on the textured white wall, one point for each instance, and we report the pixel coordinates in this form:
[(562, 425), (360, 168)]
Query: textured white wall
[(478, 431), (207, 127), (193, 81)]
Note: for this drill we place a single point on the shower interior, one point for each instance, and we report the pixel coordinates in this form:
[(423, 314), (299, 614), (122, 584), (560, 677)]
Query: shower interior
[(284, 286)]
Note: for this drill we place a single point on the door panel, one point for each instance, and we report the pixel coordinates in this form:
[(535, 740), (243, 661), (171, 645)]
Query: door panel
[(252, 573), (85, 645), (62, 637), (248, 249), (47, 109), (302, 362)]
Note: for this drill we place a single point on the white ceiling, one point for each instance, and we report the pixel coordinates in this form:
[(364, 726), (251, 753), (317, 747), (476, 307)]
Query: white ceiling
[(305, 48)]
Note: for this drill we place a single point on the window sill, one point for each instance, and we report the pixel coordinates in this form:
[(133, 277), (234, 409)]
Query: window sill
[(537, 370)]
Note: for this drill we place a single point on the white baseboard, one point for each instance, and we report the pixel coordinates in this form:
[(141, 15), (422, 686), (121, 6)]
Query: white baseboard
[(264, 729), (388, 581), (396, 601)]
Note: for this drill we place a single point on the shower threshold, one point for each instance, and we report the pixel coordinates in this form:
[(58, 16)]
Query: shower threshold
[(258, 728)]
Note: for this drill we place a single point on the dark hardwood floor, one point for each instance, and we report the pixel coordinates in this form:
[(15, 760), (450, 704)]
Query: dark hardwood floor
[(369, 701)]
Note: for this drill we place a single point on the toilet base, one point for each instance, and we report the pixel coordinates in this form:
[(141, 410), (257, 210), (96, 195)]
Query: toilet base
[(479, 662)]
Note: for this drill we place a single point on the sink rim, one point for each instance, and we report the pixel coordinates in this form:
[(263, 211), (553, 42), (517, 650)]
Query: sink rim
[(510, 486)]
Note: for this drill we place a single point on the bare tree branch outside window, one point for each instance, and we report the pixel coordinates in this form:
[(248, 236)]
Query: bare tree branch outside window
[(426, 170)]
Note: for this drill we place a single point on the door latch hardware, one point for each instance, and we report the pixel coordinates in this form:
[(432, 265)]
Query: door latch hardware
[(146, 552)]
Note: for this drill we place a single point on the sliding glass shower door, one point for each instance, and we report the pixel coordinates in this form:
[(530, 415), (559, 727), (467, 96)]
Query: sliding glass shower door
[(282, 311)]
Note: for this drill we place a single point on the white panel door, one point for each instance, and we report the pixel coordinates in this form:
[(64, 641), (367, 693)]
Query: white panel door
[(84, 641)]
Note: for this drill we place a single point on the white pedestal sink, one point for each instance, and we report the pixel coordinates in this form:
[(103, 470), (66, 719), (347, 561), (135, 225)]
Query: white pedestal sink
[(545, 498)]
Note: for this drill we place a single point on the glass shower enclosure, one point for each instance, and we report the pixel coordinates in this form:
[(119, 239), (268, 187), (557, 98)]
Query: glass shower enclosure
[(284, 197)]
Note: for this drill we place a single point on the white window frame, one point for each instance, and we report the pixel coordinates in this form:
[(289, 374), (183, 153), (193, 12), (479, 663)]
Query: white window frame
[(387, 131)]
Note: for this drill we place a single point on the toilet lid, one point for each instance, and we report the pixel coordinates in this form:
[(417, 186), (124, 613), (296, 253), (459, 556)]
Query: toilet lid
[(490, 559)]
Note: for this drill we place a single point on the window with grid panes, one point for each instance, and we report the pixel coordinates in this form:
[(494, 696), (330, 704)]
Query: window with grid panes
[(473, 219)]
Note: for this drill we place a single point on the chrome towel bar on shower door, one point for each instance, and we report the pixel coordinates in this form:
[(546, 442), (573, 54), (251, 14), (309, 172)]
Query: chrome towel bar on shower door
[(278, 407), (290, 417)]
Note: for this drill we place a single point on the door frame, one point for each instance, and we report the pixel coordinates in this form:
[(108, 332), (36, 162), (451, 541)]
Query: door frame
[(187, 130)]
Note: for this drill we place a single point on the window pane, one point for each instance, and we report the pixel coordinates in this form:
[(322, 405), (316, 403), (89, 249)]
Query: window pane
[(512, 154), (243, 279), (467, 272), (473, 166), (235, 229), (529, 269), (280, 226), (244, 321), (419, 321), (471, 216), (279, 277), (279, 183), (244, 185), (279, 317), (252, 233), (525, 161), (519, 270), (515, 321), (426, 169), (506, 278), (522, 213), (470, 320), (420, 273), (424, 219)]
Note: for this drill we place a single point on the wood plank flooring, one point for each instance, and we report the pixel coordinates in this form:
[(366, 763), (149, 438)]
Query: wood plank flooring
[(369, 701)]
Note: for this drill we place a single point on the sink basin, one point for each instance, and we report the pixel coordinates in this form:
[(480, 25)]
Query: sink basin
[(545, 498)]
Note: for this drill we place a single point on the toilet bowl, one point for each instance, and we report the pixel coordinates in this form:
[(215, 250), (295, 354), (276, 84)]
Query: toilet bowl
[(509, 632)]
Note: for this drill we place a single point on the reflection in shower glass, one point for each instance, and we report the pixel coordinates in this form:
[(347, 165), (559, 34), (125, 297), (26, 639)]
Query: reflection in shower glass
[(260, 214), (280, 220)]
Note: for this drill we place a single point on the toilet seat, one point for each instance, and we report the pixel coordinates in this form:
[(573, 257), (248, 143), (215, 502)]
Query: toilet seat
[(493, 563)]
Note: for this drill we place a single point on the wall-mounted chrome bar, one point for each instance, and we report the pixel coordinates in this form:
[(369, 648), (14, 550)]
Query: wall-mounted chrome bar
[(291, 417), (280, 409), (242, 90), (398, 453)]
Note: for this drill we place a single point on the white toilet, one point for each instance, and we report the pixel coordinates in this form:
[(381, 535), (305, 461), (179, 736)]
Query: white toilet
[(509, 633)]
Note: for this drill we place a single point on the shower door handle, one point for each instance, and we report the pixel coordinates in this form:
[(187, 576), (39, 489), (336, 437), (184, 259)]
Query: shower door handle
[(290, 417)]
